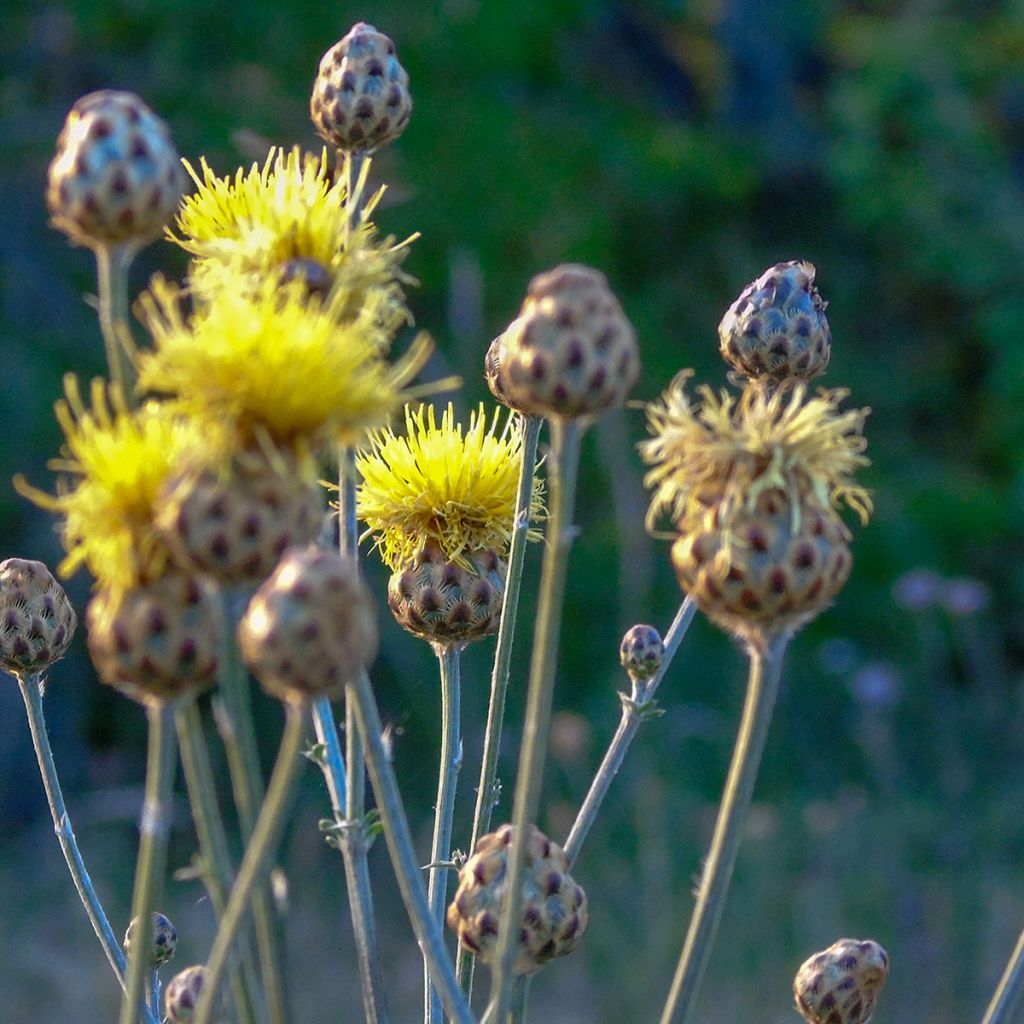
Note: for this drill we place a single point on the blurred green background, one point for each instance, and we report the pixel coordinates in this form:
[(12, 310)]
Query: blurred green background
[(681, 148)]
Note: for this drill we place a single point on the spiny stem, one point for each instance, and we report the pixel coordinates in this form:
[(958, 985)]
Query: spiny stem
[(259, 856), (566, 436), (403, 854), (487, 791), (235, 723), (762, 688), (112, 262), (32, 693), (152, 862), (633, 716), (219, 873), (449, 657), (1007, 997)]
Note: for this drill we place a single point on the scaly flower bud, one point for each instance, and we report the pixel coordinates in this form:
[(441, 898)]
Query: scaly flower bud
[(37, 621)]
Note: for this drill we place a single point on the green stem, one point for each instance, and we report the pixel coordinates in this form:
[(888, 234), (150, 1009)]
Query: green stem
[(32, 693), (403, 854), (488, 791), (218, 871), (152, 862), (566, 436), (449, 657), (635, 711), (112, 262), (1007, 997), (235, 724), (259, 856), (762, 688)]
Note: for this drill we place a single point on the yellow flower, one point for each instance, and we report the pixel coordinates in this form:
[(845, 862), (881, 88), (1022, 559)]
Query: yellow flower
[(287, 219), (114, 463), (443, 484), (273, 366), (737, 448)]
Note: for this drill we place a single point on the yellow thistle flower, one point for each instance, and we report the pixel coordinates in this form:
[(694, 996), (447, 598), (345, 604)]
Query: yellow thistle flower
[(742, 447), (287, 218), (114, 463), (272, 365), (442, 484)]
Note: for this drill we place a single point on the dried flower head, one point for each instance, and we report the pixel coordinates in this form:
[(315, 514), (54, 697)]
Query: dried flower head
[(291, 219), (114, 463), (442, 485), (745, 446), (272, 365)]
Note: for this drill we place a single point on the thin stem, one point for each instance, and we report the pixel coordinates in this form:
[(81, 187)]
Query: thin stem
[(636, 709), (403, 855), (32, 693), (112, 262), (449, 657), (259, 856), (235, 724), (566, 436), (218, 871), (153, 986), (762, 688), (152, 862), (1006, 998)]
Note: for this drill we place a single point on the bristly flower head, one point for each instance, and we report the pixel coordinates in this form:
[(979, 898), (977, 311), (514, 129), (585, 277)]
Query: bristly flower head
[(741, 447), (288, 220), (114, 463), (272, 365), (442, 484)]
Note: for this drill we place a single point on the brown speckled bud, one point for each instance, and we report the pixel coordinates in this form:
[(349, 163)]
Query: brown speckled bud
[(37, 621), (839, 985), (777, 569), (181, 996), (117, 176), (571, 351), (164, 939), (554, 914), (360, 98), (156, 641), (444, 602), (641, 652), (310, 626), (493, 373), (235, 525), (776, 330)]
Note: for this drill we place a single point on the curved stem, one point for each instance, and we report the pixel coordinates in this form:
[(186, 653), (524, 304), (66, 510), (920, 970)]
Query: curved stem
[(636, 709), (218, 871), (32, 693), (152, 862), (1006, 998), (449, 657), (762, 688), (112, 262), (488, 791), (566, 436), (403, 855), (259, 856)]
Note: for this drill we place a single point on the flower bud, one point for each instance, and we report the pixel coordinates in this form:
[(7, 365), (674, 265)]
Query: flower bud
[(164, 939), (839, 985), (37, 621), (641, 652)]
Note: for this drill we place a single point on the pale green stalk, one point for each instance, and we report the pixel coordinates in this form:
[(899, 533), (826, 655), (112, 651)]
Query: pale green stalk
[(449, 657), (218, 871), (234, 718), (564, 463), (403, 854), (258, 860), (112, 262), (636, 709), (152, 862), (762, 688), (1007, 997), (488, 791)]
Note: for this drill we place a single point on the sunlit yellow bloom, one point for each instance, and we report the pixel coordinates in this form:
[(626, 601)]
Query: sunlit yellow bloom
[(454, 487), (272, 365), (114, 463), (741, 447), (287, 219)]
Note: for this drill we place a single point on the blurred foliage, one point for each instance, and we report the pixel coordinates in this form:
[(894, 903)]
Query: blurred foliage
[(682, 148)]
